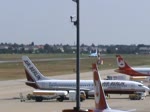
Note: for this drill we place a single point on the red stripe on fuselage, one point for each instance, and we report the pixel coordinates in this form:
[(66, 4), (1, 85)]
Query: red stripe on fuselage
[(130, 72), (30, 79)]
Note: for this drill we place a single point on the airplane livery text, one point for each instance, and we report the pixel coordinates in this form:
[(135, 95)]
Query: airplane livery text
[(116, 84), (32, 70)]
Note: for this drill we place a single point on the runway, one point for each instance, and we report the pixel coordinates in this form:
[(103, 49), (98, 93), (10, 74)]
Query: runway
[(48, 59), (10, 90)]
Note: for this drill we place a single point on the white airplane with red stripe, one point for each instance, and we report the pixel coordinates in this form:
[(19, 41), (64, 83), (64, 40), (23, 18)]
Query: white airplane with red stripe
[(38, 81), (132, 71), (100, 100)]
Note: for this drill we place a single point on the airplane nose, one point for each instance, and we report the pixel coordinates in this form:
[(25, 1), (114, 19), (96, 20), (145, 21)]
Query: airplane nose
[(146, 88)]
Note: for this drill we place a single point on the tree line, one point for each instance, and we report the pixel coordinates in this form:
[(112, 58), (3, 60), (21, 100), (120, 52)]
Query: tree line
[(9, 48)]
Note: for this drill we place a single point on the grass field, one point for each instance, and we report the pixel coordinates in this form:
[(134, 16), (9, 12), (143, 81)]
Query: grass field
[(10, 71)]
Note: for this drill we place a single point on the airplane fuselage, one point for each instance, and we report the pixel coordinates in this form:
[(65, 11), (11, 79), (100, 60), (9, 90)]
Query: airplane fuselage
[(110, 86), (93, 55), (135, 71)]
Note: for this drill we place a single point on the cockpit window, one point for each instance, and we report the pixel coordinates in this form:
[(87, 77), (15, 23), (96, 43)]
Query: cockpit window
[(140, 85)]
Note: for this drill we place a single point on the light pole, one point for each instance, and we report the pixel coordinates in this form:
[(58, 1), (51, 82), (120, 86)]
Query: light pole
[(77, 24)]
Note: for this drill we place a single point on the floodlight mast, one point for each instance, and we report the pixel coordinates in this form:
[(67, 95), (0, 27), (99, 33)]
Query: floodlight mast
[(77, 24)]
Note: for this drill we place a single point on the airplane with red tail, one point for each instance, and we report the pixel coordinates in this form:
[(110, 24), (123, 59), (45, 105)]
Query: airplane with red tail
[(99, 95), (100, 99), (132, 71)]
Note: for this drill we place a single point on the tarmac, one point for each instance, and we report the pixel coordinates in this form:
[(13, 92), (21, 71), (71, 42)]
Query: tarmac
[(10, 97)]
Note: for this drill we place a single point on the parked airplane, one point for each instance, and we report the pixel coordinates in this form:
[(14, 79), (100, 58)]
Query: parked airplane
[(94, 54), (126, 69), (100, 100), (36, 80)]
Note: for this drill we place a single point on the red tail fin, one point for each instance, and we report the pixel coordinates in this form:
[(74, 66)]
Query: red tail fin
[(121, 63), (100, 101)]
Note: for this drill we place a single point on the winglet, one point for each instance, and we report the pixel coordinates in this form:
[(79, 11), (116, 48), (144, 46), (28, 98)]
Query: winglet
[(100, 100)]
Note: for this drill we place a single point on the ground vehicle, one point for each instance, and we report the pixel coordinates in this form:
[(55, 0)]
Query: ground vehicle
[(72, 95), (40, 95), (137, 96)]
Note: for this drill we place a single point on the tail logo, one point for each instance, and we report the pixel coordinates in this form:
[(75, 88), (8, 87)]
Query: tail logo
[(120, 62), (32, 69), (96, 87), (97, 91)]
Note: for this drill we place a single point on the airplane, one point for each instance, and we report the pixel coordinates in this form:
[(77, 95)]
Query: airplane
[(94, 54), (38, 81), (100, 99), (126, 69), (101, 104)]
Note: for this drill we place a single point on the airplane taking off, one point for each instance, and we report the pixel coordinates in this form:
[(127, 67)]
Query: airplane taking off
[(36, 80), (100, 100), (94, 54), (126, 69)]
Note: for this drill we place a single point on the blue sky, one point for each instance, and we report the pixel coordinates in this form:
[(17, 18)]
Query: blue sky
[(48, 21)]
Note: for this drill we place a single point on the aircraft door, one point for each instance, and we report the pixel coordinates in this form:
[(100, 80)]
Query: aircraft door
[(132, 87)]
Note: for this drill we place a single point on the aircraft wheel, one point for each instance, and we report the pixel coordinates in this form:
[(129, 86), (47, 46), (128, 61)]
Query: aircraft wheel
[(61, 99), (38, 99)]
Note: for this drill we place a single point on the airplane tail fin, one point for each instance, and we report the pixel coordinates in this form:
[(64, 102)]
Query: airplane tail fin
[(32, 73), (121, 63), (96, 51), (100, 100)]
